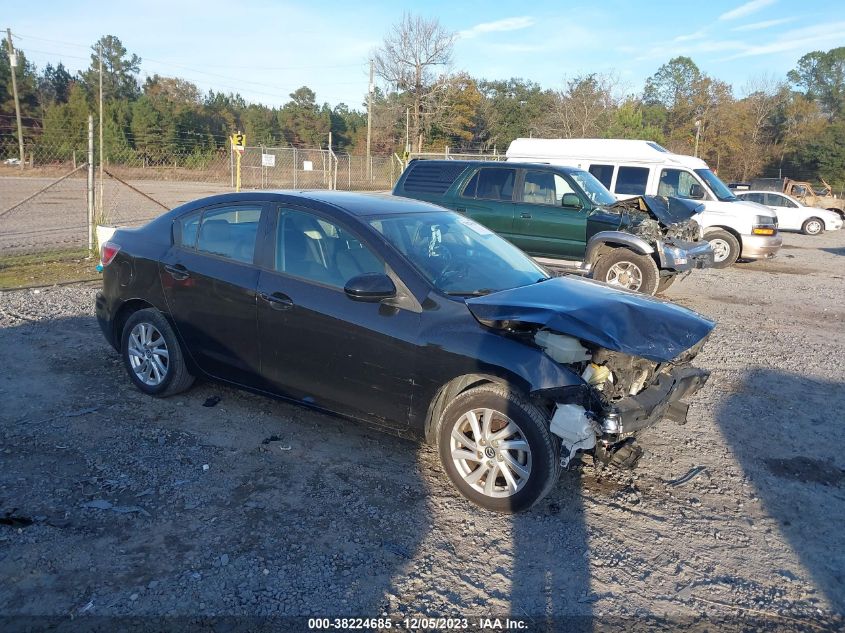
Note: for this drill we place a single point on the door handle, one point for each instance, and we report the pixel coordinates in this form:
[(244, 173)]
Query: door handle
[(525, 215), (277, 300), (177, 271)]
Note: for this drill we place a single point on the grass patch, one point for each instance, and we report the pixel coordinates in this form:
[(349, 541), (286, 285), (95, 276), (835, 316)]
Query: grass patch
[(45, 269)]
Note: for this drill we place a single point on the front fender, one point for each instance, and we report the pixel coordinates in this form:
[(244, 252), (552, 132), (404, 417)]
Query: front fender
[(616, 238)]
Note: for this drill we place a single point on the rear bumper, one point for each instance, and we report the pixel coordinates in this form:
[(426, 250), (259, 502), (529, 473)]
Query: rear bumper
[(664, 399), (104, 318), (760, 246), (682, 256)]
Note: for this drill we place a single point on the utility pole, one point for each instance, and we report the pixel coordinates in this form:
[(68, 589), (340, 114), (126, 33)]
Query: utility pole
[(369, 122), (697, 135), (100, 186), (13, 64)]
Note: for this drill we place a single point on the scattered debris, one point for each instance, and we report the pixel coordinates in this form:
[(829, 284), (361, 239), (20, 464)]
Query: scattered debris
[(205, 467), (15, 520), (211, 401), (691, 474)]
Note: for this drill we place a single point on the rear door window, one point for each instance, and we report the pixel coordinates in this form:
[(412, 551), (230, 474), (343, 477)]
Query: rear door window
[(631, 180), (229, 232), (491, 183), (603, 173), (753, 197)]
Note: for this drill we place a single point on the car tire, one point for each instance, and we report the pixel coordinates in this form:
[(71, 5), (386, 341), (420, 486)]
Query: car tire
[(813, 226), (725, 247), (627, 269), (152, 355), (664, 283), (501, 479)]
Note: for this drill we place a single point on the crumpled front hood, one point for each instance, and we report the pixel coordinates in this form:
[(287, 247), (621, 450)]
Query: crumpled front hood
[(594, 312), (667, 211)]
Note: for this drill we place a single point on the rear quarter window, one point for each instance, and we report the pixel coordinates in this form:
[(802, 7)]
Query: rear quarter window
[(430, 177)]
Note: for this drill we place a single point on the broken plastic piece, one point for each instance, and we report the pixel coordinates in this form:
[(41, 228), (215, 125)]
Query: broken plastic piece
[(575, 429), (562, 349)]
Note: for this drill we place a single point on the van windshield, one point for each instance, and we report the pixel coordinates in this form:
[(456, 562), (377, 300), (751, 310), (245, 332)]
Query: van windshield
[(719, 189), (590, 185)]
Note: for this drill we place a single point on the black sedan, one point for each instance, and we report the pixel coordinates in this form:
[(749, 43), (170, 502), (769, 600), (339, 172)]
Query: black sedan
[(405, 315)]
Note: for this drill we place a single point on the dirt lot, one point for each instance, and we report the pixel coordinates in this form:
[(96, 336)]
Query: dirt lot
[(255, 507)]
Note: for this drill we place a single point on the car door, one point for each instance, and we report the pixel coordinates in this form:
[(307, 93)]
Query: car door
[(317, 344), (487, 198), (790, 215), (542, 225), (210, 280)]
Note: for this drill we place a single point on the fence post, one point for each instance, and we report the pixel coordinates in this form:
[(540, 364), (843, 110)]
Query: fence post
[(90, 183)]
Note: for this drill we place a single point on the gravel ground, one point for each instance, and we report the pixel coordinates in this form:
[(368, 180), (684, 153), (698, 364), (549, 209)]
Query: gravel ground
[(255, 507)]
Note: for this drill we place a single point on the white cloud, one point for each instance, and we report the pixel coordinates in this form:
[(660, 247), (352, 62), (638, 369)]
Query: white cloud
[(506, 24), (758, 26), (746, 9), (698, 35), (811, 36)]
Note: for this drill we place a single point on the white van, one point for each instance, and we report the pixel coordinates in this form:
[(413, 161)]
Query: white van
[(631, 168)]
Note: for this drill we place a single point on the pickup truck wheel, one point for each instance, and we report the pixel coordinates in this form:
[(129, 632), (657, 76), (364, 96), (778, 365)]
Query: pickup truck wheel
[(812, 226), (630, 270), (725, 248), (664, 283), (497, 448)]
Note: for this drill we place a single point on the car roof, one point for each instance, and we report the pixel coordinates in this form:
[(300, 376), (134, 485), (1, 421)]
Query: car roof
[(351, 203), (500, 163)]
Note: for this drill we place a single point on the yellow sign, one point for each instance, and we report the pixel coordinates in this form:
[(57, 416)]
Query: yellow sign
[(239, 142)]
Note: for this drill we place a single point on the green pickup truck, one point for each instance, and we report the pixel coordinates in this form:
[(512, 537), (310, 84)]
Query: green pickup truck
[(562, 214)]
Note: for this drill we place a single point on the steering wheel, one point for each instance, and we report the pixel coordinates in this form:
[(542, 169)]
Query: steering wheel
[(452, 270)]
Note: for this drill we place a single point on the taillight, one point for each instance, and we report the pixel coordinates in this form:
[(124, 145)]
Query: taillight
[(107, 253)]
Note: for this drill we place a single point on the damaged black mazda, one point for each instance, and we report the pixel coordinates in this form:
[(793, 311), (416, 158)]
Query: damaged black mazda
[(404, 315)]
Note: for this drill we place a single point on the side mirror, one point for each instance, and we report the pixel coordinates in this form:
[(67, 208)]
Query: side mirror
[(370, 287), (696, 192), (571, 200)]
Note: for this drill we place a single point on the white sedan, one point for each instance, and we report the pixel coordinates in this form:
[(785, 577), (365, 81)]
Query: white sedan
[(792, 215)]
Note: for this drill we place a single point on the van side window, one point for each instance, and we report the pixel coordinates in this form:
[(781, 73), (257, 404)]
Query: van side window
[(675, 182), (631, 180), (491, 183), (603, 173)]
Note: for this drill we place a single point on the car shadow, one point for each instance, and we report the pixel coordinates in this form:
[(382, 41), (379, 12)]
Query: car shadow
[(785, 430), (836, 250)]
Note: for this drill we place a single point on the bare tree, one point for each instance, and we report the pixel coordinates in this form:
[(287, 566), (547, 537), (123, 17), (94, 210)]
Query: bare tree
[(407, 57), (584, 109)]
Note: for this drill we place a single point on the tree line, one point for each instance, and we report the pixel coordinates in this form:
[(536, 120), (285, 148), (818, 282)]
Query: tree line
[(791, 125)]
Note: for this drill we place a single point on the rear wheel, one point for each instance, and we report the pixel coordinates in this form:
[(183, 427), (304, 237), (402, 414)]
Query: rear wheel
[(725, 248), (497, 449), (812, 226), (627, 269), (152, 355)]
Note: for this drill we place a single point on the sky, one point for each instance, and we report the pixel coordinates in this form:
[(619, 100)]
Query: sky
[(265, 50)]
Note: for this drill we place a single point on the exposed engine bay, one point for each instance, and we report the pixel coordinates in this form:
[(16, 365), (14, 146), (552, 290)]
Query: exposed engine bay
[(618, 402), (655, 217)]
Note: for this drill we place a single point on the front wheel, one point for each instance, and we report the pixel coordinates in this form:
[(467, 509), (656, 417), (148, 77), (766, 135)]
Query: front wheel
[(725, 247), (812, 226), (497, 449), (629, 270), (152, 355)]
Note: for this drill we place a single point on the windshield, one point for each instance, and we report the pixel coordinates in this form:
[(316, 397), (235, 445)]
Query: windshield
[(596, 192), (719, 188), (457, 255)]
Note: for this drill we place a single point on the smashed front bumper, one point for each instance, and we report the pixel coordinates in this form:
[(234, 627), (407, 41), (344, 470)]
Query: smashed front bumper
[(662, 400), (681, 256)]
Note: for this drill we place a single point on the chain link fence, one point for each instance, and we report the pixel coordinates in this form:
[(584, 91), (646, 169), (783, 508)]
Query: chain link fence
[(44, 211)]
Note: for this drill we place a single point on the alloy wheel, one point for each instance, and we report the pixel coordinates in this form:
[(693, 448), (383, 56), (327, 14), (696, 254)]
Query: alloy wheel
[(491, 453), (721, 249), (625, 274), (148, 354)]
